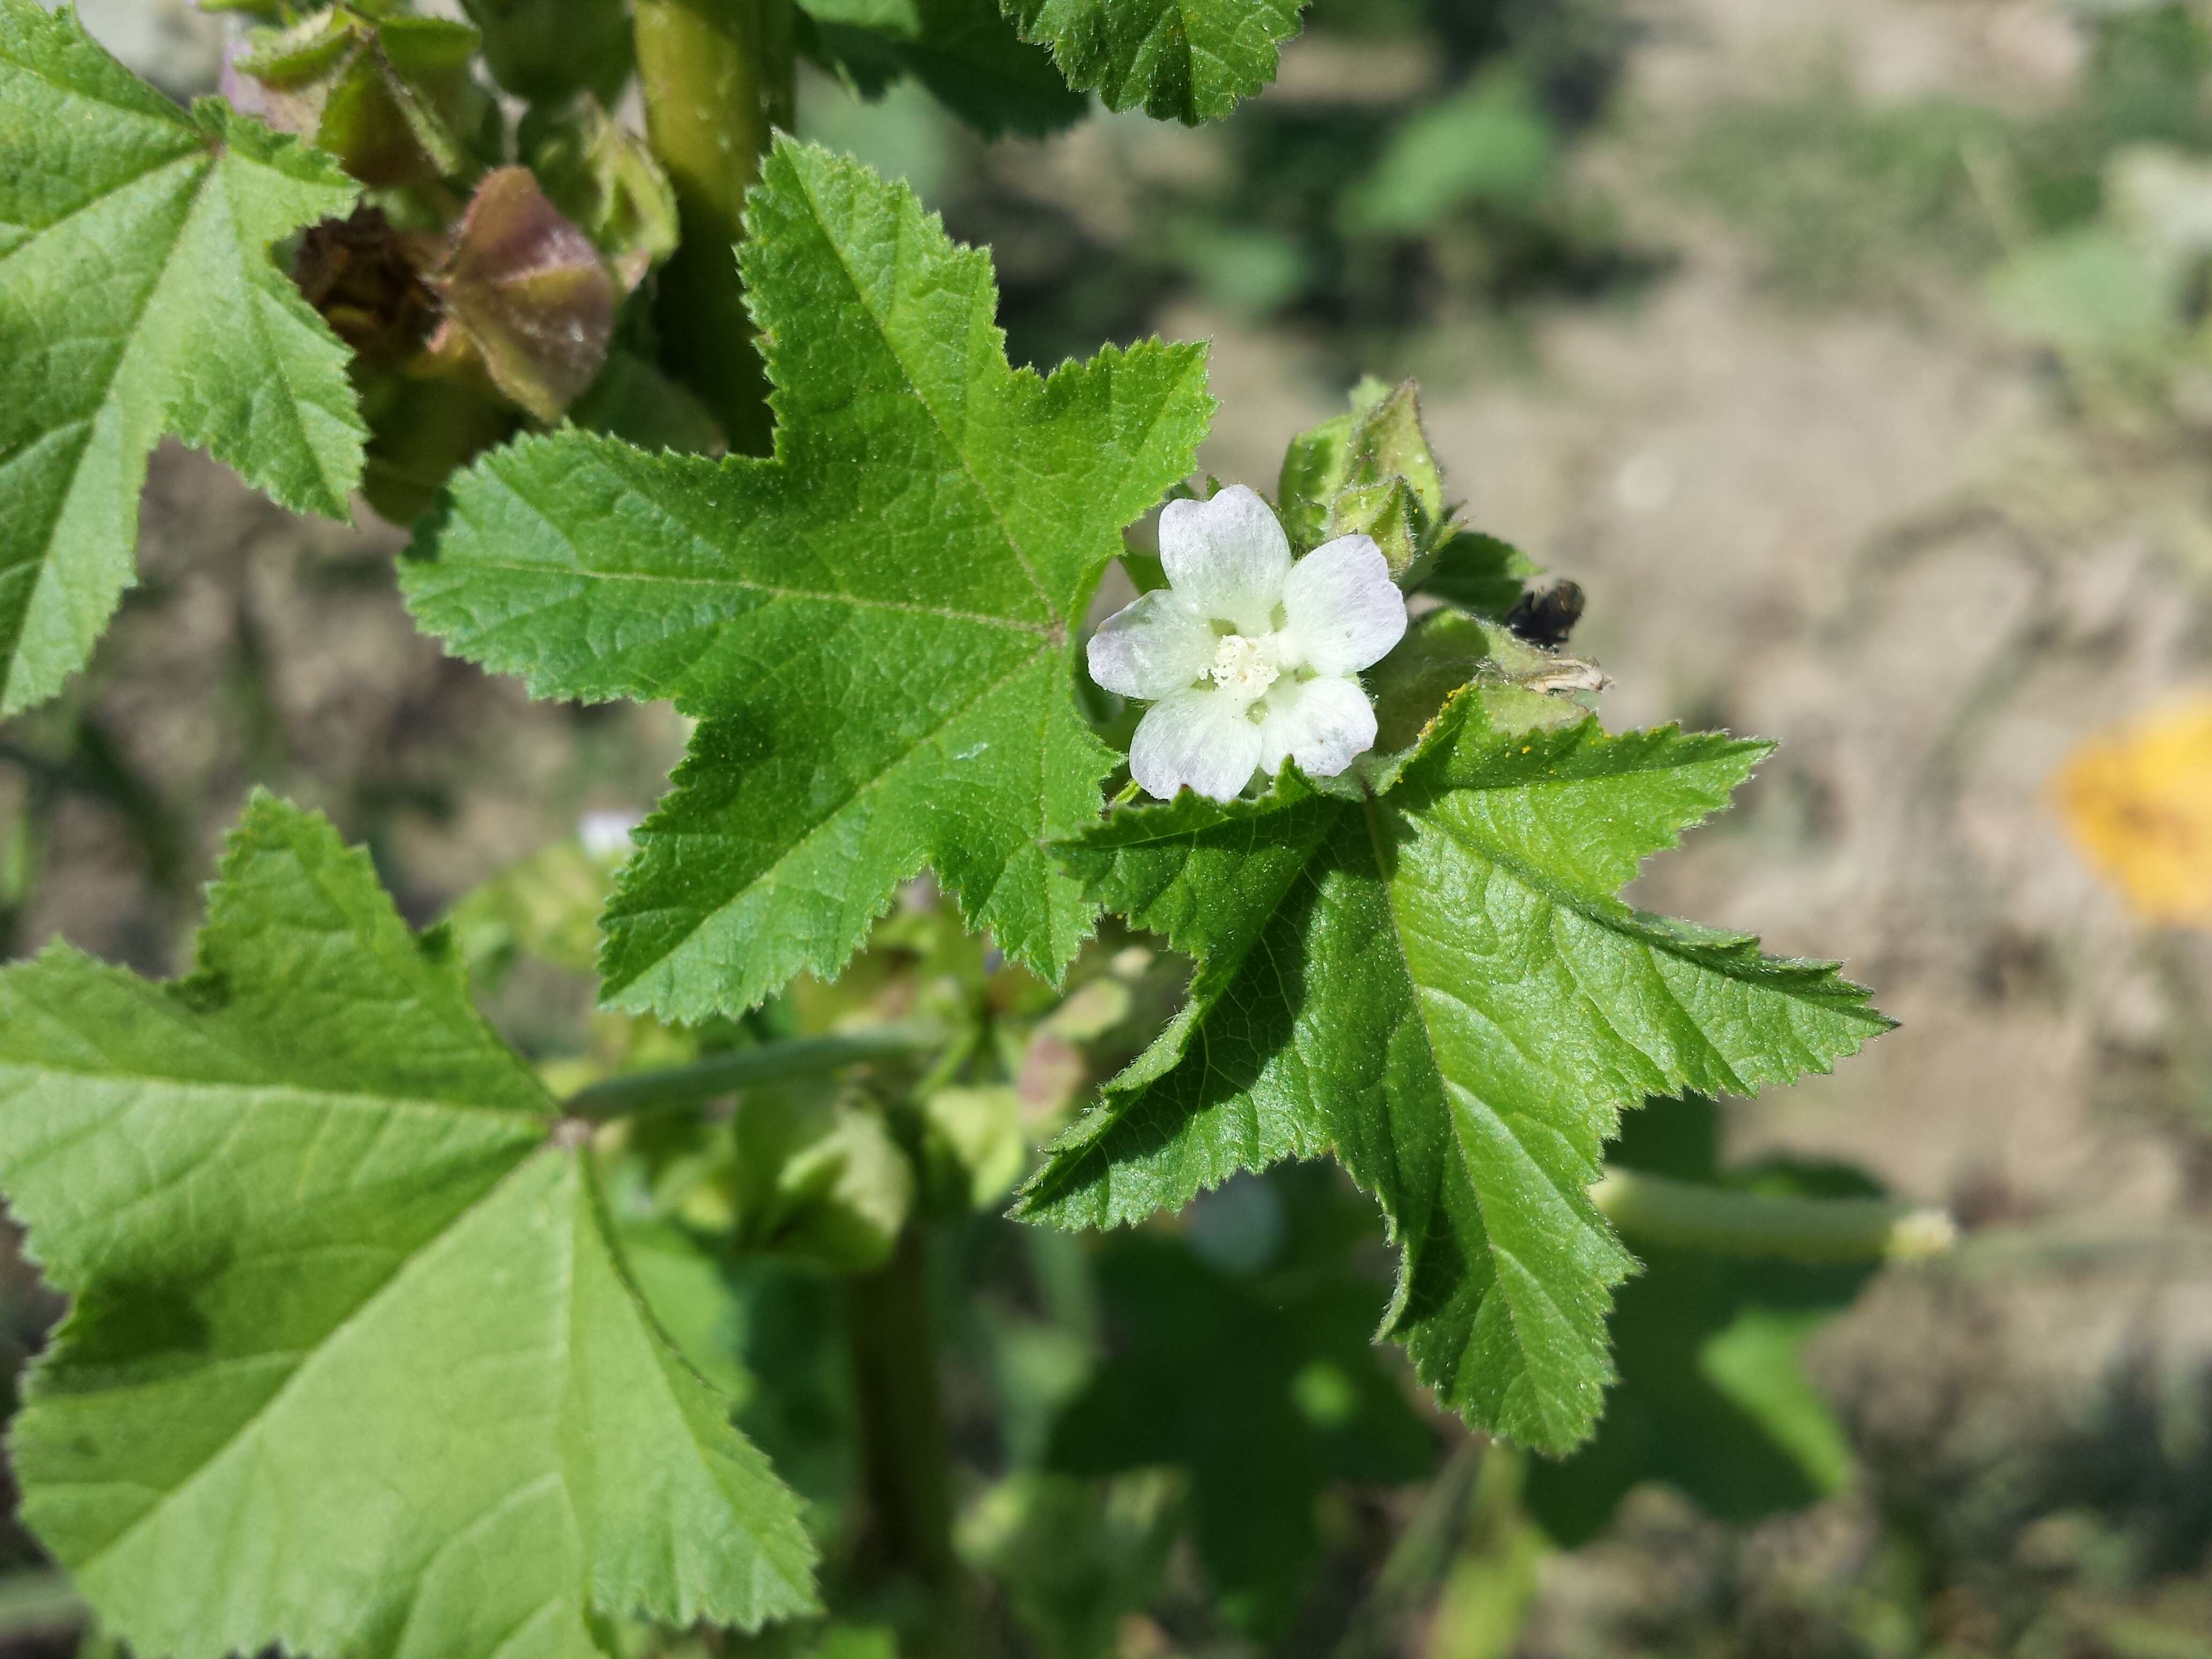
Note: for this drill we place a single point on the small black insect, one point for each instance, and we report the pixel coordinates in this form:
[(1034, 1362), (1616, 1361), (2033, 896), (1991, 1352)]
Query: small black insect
[(1546, 616)]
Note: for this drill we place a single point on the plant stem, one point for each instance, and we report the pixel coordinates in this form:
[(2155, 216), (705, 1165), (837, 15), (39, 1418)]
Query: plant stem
[(906, 1455), (1689, 1215), (719, 1074), (35, 1604), (717, 76)]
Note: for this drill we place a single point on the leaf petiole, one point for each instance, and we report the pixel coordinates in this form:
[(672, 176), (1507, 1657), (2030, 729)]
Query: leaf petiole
[(1690, 1215), (680, 1087)]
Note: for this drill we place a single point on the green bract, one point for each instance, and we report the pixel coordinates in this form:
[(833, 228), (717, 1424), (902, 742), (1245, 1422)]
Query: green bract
[(137, 297), (874, 625), (1439, 982), (1185, 60), (353, 1365)]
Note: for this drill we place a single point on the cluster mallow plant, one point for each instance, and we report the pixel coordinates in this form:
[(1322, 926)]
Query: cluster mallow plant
[(923, 1027)]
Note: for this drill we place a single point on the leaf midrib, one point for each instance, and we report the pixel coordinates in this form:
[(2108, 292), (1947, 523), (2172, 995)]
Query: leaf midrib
[(11, 690), (1053, 609), (1446, 1086), (580, 571)]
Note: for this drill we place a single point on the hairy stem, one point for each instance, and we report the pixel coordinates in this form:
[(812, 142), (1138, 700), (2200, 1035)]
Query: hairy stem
[(906, 1455), (1689, 1215), (717, 76), (681, 1086)]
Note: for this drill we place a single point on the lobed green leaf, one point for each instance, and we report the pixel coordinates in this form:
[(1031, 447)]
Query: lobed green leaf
[(354, 1365), (1439, 983), (137, 297), (873, 625)]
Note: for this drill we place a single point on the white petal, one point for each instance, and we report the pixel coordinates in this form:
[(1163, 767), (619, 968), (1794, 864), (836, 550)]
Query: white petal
[(1343, 611), (1324, 725), (1227, 556), (1151, 647), (1196, 739)]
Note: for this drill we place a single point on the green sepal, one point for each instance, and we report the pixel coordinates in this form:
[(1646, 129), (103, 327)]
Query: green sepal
[(1389, 513), (1368, 472), (604, 178)]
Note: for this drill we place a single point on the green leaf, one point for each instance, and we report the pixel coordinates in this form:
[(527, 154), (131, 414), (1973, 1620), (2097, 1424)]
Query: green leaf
[(1712, 1397), (964, 52), (1185, 60), (874, 625), (1479, 573), (137, 297), (1440, 982), (1266, 1389), (353, 1364), (818, 1176), (1073, 1559), (1491, 143)]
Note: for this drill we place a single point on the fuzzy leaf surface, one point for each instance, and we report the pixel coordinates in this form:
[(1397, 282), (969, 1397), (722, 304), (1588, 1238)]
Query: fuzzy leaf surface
[(353, 1366), (874, 624), (137, 297), (1184, 60), (1441, 983)]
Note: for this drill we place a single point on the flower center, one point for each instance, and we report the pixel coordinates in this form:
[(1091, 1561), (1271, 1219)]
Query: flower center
[(1244, 668)]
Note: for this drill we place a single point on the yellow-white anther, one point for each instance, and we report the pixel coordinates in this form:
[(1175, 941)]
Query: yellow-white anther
[(1243, 667)]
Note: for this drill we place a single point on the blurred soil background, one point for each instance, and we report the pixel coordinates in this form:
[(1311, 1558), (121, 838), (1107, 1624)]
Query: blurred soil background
[(1782, 329)]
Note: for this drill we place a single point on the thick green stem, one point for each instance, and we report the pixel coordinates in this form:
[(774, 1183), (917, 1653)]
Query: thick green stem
[(717, 76), (1689, 1215), (906, 1455), (720, 1074)]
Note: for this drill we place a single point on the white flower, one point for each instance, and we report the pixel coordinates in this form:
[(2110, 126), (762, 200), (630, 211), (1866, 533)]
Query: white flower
[(1246, 656)]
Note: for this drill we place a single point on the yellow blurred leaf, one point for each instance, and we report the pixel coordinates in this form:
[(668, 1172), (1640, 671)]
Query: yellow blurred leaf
[(2138, 805)]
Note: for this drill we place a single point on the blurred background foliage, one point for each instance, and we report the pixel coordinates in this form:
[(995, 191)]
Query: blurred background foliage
[(1178, 1440), (1414, 164)]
